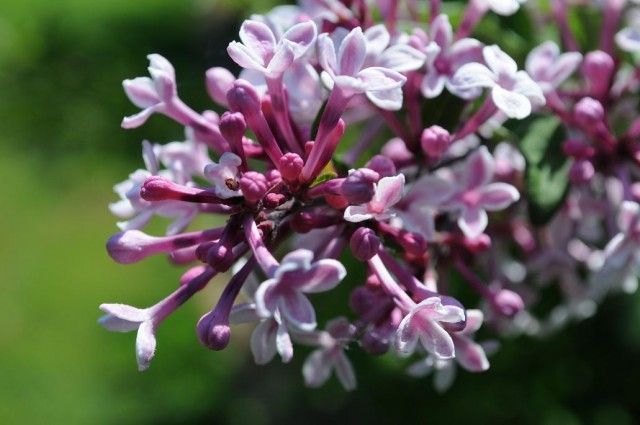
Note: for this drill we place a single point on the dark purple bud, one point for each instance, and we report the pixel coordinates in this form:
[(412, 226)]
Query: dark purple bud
[(244, 98), (435, 141), (382, 165), (588, 112), (364, 244), (458, 326), (581, 171), (507, 303), (375, 343), (253, 186), (290, 166), (220, 257), (359, 187), (213, 330)]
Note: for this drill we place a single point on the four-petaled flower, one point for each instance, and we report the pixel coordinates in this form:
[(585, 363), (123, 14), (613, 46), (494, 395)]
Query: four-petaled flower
[(422, 324), (344, 70), (297, 276), (388, 192), (476, 194), (512, 91), (548, 67)]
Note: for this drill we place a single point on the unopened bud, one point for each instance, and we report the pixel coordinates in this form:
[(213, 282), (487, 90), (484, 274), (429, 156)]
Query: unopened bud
[(435, 141), (364, 244), (253, 186), (382, 165)]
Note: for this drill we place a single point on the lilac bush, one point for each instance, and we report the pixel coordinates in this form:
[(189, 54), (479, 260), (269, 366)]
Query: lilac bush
[(385, 137)]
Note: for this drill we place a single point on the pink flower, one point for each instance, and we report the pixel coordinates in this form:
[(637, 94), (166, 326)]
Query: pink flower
[(548, 67), (388, 192), (343, 68), (512, 91), (422, 324), (293, 278), (476, 194)]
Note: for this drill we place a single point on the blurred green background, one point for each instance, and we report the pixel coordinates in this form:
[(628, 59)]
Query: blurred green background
[(61, 151)]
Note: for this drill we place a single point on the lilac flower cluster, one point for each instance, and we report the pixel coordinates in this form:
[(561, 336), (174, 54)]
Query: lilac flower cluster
[(392, 143)]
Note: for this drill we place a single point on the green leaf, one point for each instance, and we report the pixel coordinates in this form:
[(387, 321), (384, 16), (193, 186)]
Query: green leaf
[(546, 176)]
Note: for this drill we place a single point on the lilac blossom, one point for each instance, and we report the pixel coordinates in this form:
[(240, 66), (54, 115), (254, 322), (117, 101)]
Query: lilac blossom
[(424, 324), (325, 87), (388, 192), (445, 57), (476, 194), (512, 91)]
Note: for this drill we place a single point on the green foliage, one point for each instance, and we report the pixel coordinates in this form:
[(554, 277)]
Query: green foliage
[(546, 176)]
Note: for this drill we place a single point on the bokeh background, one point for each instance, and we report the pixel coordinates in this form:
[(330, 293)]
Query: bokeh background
[(61, 151)]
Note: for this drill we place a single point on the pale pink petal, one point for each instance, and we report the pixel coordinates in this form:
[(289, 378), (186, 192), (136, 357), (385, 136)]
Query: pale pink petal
[(498, 196), (473, 75), (352, 52), (619, 250), (441, 31), (430, 190), (474, 321), (134, 121), (259, 40), (514, 105), (478, 169), (145, 344), (529, 88), (263, 341), (473, 221), (540, 59), (344, 371), (323, 276), (301, 37), (436, 340), (117, 324), (498, 61), (297, 310), (432, 84), (357, 213), (466, 50), (316, 369), (402, 58), (628, 39), (406, 335), (564, 66), (244, 57), (504, 7), (126, 312), (470, 355), (327, 54), (388, 192), (267, 298), (280, 62), (141, 91), (283, 343), (377, 78), (389, 100)]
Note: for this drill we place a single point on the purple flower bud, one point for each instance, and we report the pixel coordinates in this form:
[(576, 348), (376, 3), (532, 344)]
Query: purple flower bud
[(244, 98), (232, 126), (413, 243), (220, 257), (507, 303), (157, 188), (213, 330), (598, 68), (435, 141), (382, 165), (581, 171), (273, 177), (219, 81), (359, 186), (364, 244), (253, 186), (290, 166), (272, 200), (588, 112)]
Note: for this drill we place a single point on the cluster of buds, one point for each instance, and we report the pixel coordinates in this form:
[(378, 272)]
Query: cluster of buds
[(426, 157)]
